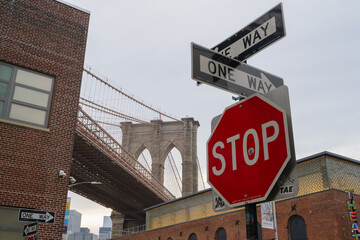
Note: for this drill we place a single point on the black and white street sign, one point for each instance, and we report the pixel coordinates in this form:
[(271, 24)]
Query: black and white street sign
[(30, 215), (259, 34), (229, 74), (30, 229)]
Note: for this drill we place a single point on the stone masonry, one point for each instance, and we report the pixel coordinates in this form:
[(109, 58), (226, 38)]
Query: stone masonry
[(159, 138)]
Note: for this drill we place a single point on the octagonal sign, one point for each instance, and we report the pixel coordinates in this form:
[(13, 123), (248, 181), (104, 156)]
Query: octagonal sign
[(248, 151)]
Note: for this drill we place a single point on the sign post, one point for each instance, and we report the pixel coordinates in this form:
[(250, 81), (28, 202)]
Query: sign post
[(251, 222), (251, 144)]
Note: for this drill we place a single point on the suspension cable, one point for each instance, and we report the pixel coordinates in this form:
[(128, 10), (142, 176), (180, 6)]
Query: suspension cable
[(128, 96)]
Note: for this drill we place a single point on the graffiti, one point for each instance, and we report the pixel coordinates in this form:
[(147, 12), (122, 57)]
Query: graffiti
[(351, 206), (219, 203)]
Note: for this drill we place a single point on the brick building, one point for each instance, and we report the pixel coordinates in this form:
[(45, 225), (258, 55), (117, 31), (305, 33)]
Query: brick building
[(321, 209), (42, 48)]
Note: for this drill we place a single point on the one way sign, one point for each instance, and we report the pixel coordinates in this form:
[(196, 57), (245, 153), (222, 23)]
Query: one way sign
[(256, 36), (30, 215), (229, 74), (30, 229)]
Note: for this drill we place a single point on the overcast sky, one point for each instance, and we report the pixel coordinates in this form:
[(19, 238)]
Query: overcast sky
[(144, 46)]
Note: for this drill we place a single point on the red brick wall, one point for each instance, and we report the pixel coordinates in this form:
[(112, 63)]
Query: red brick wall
[(325, 214), (48, 37)]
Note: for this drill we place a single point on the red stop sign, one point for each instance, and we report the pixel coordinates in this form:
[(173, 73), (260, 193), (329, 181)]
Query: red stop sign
[(248, 150)]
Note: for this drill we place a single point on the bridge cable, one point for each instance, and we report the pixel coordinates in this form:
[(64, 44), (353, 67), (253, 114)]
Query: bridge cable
[(172, 167), (202, 179), (128, 96)]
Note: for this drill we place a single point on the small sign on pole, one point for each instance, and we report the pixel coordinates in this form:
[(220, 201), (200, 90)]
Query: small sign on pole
[(30, 229), (267, 215)]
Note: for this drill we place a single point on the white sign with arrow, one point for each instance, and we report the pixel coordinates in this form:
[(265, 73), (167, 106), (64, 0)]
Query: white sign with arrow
[(30, 229), (259, 84), (229, 74), (30, 215)]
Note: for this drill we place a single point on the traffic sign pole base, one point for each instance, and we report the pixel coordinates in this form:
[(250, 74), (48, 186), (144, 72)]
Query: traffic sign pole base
[(251, 222)]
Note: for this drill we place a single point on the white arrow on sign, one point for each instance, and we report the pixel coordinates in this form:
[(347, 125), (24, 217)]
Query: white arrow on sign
[(259, 84)]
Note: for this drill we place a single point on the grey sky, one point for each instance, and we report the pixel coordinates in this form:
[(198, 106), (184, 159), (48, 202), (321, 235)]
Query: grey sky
[(144, 46)]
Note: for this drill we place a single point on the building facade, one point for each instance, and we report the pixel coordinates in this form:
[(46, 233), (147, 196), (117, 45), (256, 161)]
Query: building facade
[(74, 222), (324, 208), (42, 49), (84, 234), (105, 230), (104, 233)]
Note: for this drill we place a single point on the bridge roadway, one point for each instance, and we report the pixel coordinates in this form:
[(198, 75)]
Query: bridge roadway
[(127, 186)]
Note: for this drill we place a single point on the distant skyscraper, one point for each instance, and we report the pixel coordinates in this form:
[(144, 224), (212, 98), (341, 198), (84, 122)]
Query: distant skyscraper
[(74, 221), (85, 230), (82, 236), (107, 222), (105, 231)]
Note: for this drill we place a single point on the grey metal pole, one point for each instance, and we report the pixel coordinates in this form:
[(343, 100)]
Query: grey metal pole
[(275, 223)]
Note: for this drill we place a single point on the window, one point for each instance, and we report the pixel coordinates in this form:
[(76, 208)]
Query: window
[(297, 228), (25, 96), (192, 236), (220, 234)]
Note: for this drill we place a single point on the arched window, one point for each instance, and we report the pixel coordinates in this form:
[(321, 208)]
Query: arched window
[(192, 236), (297, 228), (220, 234)]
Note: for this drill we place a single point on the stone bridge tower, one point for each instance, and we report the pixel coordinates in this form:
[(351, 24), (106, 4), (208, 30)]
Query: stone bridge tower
[(159, 138)]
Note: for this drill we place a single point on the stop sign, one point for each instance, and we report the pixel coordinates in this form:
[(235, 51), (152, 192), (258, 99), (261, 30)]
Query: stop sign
[(248, 150)]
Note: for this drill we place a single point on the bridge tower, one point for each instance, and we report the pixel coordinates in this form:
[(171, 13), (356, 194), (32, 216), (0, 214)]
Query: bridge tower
[(159, 138)]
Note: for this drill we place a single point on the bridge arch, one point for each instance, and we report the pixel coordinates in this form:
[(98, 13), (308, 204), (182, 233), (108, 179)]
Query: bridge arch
[(167, 149), (139, 151), (173, 172), (143, 156), (159, 138)]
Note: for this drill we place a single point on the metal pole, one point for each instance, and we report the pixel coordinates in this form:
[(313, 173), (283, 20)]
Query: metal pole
[(251, 222), (275, 223)]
